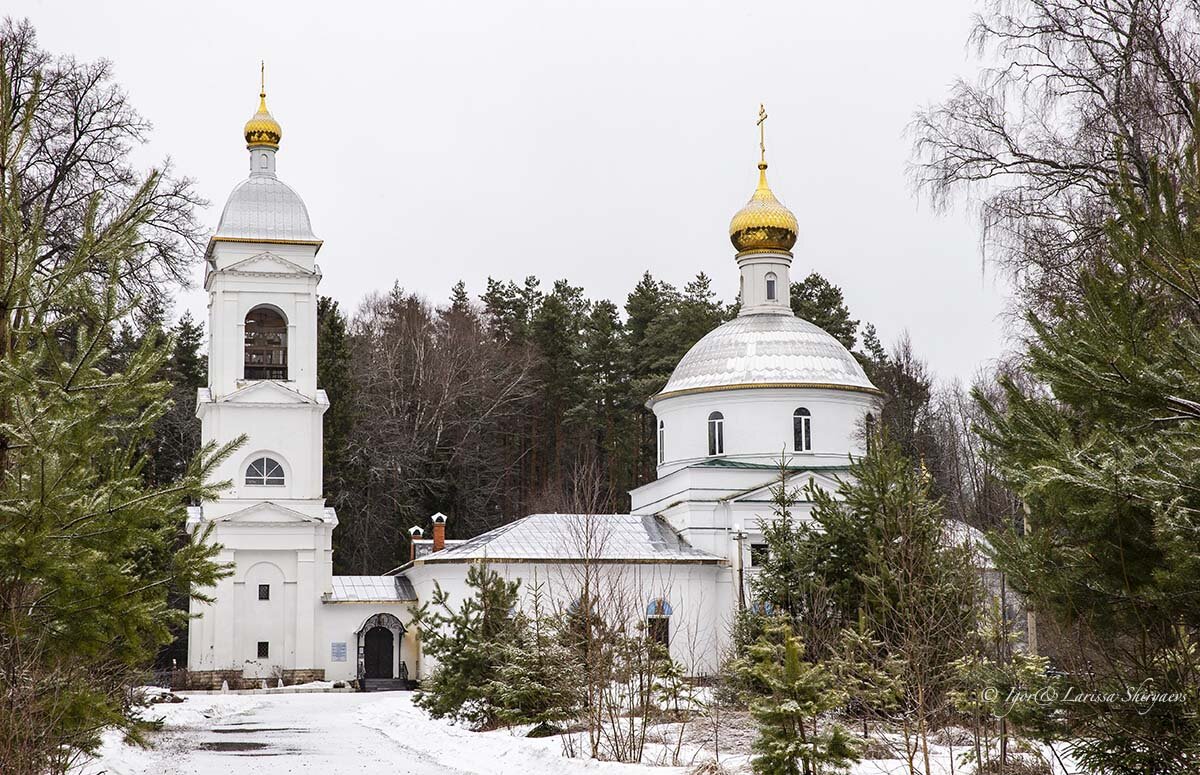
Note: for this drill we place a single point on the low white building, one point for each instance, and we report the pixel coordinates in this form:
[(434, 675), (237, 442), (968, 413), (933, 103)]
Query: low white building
[(764, 385)]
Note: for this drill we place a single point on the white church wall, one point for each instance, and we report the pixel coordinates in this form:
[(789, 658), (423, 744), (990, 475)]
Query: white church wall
[(757, 425), (232, 295), (699, 601), (290, 434), (338, 640)]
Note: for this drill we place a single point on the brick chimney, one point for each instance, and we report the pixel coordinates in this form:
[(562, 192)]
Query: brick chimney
[(439, 531), (414, 533)]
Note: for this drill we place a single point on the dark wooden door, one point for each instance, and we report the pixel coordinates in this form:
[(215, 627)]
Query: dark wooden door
[(377, 653)]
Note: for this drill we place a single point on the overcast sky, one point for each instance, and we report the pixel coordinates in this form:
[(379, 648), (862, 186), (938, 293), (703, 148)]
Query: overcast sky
[(589, 141)]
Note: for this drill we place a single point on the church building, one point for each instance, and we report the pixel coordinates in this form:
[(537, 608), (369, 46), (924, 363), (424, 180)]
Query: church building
[(762, 385)]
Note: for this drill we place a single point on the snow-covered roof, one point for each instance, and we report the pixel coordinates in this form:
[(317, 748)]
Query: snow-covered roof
[(959, 533), (574, 537), (371, 589), (424, 546), (766, 350)]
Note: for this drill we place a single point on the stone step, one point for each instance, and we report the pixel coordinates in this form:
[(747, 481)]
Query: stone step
[(385, 685)]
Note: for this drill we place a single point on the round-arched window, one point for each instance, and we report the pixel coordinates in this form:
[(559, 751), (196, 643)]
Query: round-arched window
[(771, 286), (266, 344), (264, 472), (662, 442), (802, 430), (658, 622), (716, 434)]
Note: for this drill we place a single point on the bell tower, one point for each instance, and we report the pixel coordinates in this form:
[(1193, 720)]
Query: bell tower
[(261, 276)]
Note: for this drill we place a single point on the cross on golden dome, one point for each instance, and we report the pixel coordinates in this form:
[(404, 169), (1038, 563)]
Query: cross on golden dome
[(262, 130), (764, 225)]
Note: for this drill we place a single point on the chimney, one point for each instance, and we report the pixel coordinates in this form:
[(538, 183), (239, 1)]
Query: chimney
[(414, 533), (439, 531)]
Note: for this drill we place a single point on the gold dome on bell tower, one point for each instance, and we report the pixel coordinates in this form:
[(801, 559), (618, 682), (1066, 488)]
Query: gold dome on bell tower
[(262, 130), (764, 225)]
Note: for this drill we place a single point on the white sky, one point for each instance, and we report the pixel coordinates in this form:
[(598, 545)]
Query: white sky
[(590, 140)]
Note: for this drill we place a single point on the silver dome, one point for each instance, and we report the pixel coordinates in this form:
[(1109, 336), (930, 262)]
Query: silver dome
[(263, 207), (767, 350)]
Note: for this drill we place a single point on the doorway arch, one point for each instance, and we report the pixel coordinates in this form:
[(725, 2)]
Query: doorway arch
[(379, 640)]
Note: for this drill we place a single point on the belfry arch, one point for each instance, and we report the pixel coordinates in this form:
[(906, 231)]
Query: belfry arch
[(266, 344)]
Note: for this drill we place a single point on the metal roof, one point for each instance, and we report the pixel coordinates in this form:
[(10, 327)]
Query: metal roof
[(371, 589), (769, 349), (573, 537), (264, 207)]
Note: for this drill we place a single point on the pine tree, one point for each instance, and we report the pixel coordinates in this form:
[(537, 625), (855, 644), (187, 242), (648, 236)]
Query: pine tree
[(1006, 692), (1104, 452), (468, 644), (83, 536), (821, 303), (648, 310), (872, 678), (792, 695), (510, 308), (604, 414), (555, 332)]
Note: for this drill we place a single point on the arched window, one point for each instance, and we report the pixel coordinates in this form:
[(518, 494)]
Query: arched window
[(264, 472), (770, 286), (658, 622), (762, 608), (266, 344), (802, 430), (716, 434), (869, 429), (662, 442)]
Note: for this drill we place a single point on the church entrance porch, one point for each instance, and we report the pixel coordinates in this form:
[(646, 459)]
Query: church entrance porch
[(381, 665)]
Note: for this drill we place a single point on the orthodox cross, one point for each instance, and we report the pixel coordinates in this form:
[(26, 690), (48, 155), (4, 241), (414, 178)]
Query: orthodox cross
[(262, 76), (762, 135)]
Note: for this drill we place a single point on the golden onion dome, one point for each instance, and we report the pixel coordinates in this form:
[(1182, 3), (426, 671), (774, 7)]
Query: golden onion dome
[(764, 225), (262, 129)]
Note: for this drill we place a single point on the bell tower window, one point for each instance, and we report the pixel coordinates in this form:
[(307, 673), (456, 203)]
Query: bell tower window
[(770, 286), (266, 346)]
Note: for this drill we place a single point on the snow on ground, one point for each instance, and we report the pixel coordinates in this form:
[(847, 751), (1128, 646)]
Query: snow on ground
[(330, 734), (352, 734)]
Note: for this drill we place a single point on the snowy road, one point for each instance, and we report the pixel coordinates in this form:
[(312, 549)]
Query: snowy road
[(331, 734)]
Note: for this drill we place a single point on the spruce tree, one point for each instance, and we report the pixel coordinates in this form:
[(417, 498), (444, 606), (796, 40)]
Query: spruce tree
[(538, 680), (336, 378), (468, 645)]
